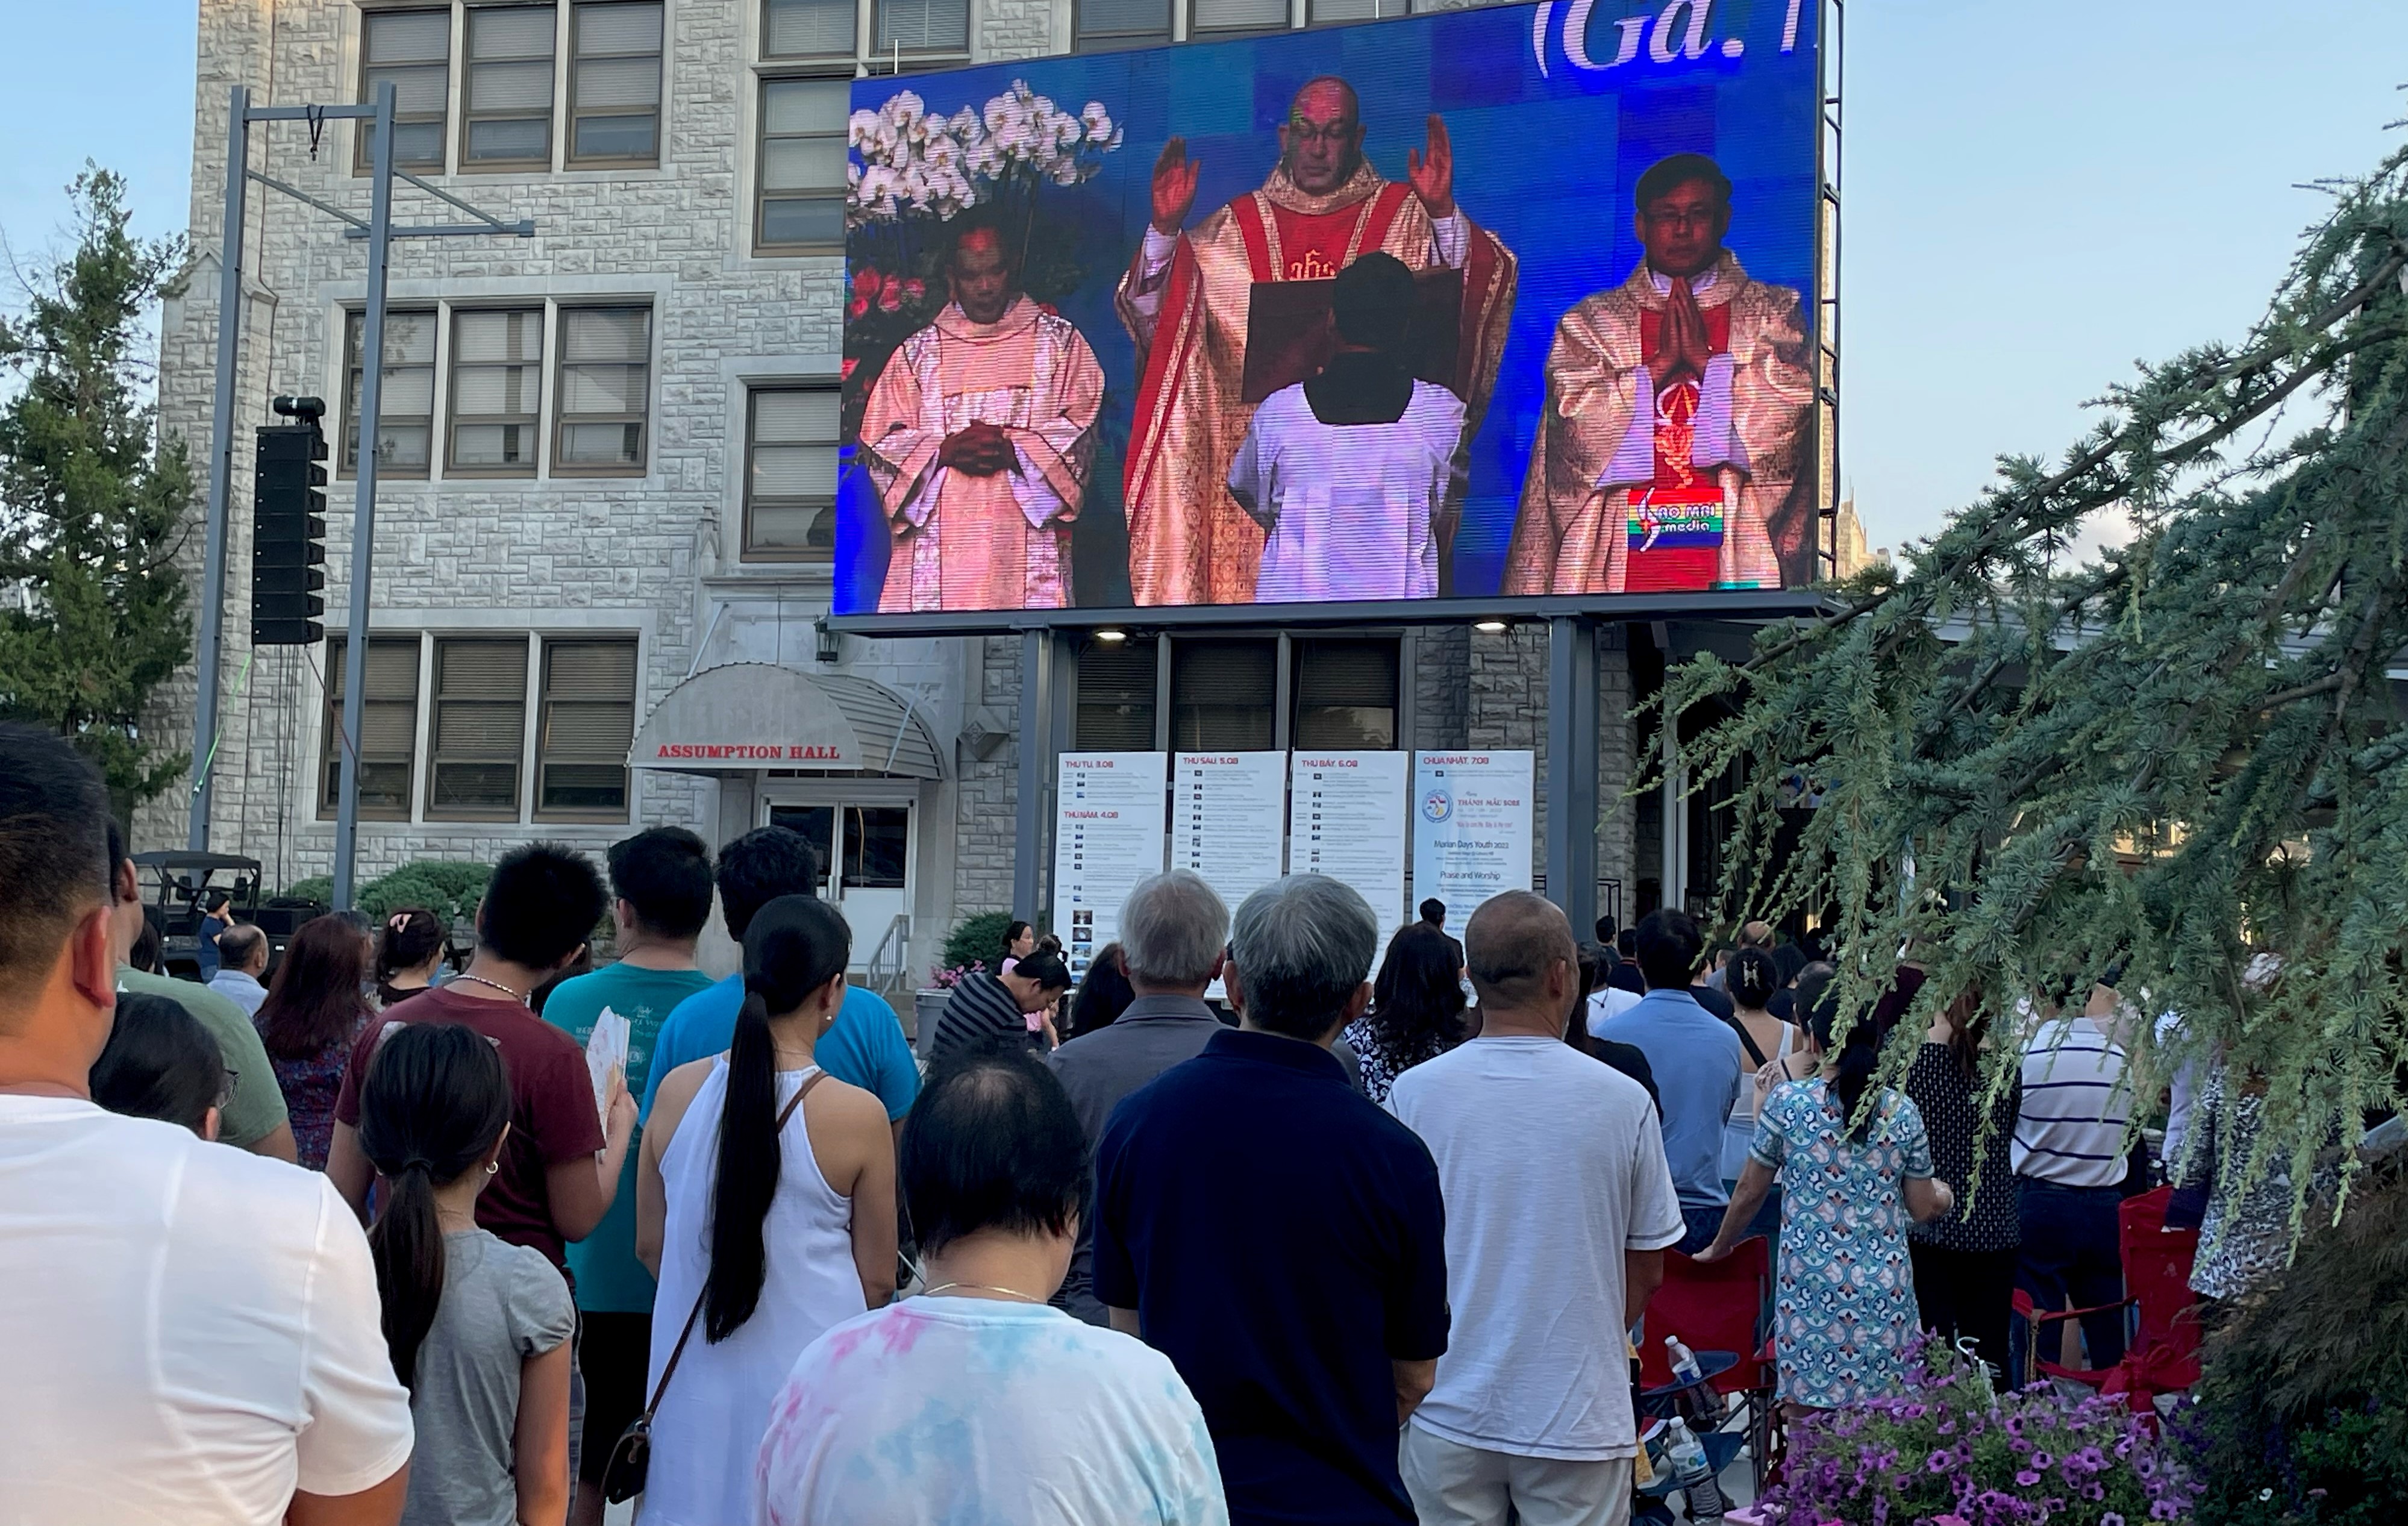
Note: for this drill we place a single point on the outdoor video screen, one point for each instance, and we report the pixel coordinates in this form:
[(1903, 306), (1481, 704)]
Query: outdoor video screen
[(1512, 301)]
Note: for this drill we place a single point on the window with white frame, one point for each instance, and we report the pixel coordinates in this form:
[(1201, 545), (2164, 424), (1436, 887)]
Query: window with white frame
[(790, 474), (810, 28), (920, 26), (802, 163), (605, 355), (388, 739), (614, 83), (507, 84), (496, 390), (411, 51), (589, 723), (477, 733), (406, 405)]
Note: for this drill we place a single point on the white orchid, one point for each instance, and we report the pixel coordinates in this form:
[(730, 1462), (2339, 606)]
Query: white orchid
[(905, 157), (1097, 122)]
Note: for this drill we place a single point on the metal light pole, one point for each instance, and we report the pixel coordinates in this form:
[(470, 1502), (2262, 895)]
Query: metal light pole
[(213, 556), (355, 644)]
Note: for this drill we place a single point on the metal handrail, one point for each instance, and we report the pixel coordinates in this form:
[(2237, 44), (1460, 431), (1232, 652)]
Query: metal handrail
[(885, 972)]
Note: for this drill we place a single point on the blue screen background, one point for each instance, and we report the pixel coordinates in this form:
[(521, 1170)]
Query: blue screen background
[(1545, 159)]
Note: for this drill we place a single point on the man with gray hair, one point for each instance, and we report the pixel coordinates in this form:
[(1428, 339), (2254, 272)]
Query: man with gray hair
[(1551, 1252), (1173, 930), (1274, 1235)]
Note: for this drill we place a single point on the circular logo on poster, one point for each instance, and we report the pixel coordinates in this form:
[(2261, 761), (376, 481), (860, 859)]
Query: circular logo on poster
[(1438, 804)]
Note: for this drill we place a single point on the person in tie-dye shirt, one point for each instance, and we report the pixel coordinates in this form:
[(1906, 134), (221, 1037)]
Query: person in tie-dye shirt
[(975, 1400)]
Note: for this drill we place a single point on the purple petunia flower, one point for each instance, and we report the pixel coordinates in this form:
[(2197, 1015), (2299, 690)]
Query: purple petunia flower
[(2110, 1519), (2026, 1478)]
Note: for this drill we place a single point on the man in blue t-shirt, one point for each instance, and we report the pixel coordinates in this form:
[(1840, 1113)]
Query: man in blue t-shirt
[(1698, 1063), (661, 882), (863, 1047)]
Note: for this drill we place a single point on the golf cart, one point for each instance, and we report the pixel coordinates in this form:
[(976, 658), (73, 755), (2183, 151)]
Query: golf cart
[(179, 882)]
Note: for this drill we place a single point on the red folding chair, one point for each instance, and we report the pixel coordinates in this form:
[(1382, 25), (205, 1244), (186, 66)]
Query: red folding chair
[(2161, 1355), (1719, 1307)]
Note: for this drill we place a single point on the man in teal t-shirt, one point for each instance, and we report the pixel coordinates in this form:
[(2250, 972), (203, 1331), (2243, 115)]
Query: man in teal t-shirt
[(662, 879)]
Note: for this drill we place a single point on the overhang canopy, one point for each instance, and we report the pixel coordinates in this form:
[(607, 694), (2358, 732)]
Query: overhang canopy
[(747, 715)]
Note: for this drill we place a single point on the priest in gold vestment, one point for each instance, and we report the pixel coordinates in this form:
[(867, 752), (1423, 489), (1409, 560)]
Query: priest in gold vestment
[(1670, 456), (978, 433), (1186, 298)]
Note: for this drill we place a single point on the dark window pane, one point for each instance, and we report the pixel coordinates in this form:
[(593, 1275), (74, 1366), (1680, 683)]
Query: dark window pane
[(877, 843), (817, 823), (802, 219), (1222, 694), (614, 138), (584, 786), (1116, 696)]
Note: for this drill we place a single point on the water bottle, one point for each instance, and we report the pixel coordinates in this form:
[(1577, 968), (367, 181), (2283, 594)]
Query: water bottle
[(1692, 1472), (1693, 1399), (1682, 1361)]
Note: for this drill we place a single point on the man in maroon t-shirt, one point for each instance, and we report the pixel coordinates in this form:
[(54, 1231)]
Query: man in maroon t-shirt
[(560, 1169)]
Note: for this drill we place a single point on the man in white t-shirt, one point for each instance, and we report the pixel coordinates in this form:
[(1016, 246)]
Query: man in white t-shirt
[(191, 1332), (1552, 1250)]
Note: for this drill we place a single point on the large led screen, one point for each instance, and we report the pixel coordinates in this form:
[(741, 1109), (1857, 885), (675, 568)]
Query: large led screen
[(1500, 302)]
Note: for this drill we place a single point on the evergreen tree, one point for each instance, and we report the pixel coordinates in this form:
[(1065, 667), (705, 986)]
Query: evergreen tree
[(2184, 753), (92, 502)]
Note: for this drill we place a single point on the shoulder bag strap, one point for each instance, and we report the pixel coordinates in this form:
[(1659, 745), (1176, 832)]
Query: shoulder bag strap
[(784, 1117)]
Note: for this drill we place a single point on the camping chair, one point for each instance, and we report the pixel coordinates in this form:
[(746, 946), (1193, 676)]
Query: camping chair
[(1719, 1307), (2161, 1353)]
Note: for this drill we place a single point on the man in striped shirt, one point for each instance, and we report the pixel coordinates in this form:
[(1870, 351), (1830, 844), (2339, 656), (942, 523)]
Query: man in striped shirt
[(2069, 1156)]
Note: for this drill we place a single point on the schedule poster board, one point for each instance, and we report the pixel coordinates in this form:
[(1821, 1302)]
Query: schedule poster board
[(1225, 813), (1471, 828), (1592, 230), (1346, 819), (1107, 836)]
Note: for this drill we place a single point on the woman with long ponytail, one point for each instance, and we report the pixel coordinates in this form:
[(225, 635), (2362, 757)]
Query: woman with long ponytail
[(766, 1206), (1853, 1165), (478, 1328)]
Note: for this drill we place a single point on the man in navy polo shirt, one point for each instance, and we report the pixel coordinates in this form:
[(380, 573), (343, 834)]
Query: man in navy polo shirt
[(1278, 1237)]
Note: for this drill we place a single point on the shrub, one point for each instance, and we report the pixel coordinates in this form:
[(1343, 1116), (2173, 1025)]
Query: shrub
[(449, 890), (1951, 1452), (2302, 1412), (975, 941), (317, 887)]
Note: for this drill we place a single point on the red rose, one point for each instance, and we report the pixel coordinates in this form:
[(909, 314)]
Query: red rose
[(844, 373), (865, 284), (857, 308), (890, 297), (914, 289)]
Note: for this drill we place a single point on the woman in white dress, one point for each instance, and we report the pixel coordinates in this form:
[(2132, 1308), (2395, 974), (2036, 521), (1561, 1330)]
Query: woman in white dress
[(766, 1207)]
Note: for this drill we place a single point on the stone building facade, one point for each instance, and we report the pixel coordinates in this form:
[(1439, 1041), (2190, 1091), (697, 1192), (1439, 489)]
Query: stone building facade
[(573, 519)]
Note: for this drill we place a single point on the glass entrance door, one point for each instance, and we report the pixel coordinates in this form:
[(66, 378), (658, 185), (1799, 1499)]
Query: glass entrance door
[(865, 852)]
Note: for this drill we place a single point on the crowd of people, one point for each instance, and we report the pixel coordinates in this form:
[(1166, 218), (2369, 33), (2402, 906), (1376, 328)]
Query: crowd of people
[(1269, 1222)]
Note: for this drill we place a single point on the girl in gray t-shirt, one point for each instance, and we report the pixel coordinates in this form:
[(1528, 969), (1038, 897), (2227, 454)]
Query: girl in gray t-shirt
[(478, 1328)]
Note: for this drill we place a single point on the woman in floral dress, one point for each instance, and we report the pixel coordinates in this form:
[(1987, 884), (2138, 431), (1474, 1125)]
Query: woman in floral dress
[(1850, 1177)]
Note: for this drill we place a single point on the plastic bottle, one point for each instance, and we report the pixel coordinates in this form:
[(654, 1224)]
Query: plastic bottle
[(1693, 1401), (1692, 1472), (1682, 1360)]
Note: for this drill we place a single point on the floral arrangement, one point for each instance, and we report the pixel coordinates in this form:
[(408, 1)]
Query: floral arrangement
[(913, 171), (945, 977), (1951, 1452)]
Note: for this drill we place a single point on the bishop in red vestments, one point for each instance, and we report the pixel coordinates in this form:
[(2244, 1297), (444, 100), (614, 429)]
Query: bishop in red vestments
[(1185, 299)]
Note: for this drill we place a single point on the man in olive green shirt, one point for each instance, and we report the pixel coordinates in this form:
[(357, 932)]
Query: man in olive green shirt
[(253, 1117)]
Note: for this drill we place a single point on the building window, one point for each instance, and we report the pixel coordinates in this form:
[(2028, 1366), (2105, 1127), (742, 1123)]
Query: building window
[(412, 50), (1210, 18), (589, 723), (921, 26), (790, 479), (478, 729), (614, 87), (1116, 693), (1100, 25), (1223, 694), (1345, 695), (509, 87), (388, 728), (405, 409), (1332, 13), (605, 385), (496, 387), (802, 163), (807, 28)]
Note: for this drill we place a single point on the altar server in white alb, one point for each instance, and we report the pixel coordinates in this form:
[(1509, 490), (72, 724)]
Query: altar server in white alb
[(1347, 472)]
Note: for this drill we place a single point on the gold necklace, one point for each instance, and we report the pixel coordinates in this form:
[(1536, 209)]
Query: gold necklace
[(979, 1287), (519, 997)]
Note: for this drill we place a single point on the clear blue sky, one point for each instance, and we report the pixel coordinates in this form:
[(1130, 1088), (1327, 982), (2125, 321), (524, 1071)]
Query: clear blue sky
[(2037, 194)]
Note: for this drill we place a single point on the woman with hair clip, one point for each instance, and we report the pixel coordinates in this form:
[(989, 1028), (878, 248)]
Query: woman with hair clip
[(478, 1328), (1853, 1165), (409, 949), (766, 1206)]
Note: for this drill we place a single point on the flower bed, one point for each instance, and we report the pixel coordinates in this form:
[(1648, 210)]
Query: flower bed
[(1951, 1452)]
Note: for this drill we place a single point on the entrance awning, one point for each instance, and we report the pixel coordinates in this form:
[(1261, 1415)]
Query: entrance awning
[(748, 715)]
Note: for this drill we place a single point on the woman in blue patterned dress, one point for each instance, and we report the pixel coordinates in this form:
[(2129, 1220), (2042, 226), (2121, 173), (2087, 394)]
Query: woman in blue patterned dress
[(1852, 1169)]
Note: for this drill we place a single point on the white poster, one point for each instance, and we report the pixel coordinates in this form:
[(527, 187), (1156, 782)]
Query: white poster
[(1471, 828), (1226, 812), (1346, 819), (1107, 836)]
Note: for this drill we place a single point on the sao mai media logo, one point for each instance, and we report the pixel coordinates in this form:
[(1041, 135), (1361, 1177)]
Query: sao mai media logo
[(1438, 805)]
